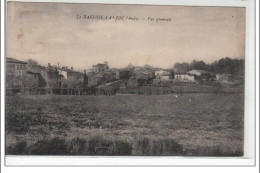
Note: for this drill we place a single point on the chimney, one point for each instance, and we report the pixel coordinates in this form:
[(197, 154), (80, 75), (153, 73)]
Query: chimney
[(58, 64), (49, 64), (66, 67), (85, 71), (71, 68)]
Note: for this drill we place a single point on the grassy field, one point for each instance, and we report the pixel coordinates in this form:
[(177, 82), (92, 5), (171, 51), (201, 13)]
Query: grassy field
[(194, 124)]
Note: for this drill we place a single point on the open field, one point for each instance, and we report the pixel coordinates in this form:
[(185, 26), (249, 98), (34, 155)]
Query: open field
[(195, 124)]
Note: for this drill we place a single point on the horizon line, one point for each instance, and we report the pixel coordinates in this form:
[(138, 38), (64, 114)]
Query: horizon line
[(126, 65)]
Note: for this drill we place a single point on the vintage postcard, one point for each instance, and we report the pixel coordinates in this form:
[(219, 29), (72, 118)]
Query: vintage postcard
[(124, 80)]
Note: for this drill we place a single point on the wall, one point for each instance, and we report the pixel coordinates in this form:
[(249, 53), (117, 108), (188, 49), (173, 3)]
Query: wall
[(184, 78), (164, 78)]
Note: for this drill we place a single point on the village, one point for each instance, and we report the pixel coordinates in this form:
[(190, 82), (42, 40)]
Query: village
[(126, 111), (34, 79)]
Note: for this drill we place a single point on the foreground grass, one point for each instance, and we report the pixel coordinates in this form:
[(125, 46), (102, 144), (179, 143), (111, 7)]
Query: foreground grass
[(100, 146), (187, 124)]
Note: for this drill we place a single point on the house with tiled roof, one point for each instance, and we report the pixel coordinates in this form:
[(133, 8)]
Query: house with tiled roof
[(16, 72)]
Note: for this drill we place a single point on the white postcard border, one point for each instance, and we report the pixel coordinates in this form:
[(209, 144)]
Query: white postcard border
[(250, 115)]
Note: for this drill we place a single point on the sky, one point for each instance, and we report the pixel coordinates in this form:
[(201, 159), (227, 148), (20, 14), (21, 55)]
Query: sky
[(53, 33)]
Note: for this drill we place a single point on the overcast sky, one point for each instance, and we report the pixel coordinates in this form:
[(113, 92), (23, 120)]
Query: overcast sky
[(51, 32)]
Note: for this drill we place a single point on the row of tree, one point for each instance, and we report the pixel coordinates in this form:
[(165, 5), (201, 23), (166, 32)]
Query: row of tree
[(222, 66)]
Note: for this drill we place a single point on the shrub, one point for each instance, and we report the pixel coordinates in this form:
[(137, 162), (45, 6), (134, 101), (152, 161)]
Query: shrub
[(161, 147), (100, 146), (19, 148), (55, 146), (77, 146), (219, 151), (122, 148), (143, 147)]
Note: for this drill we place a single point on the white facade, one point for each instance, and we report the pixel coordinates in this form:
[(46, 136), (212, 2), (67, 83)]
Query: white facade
[(165, 78), (198, 72), (162, 73), (64, 73), (184, 78)]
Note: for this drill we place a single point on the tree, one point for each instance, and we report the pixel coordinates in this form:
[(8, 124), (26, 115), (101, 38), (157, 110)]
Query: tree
[(230, 66), (198, 65), (125, 74), (181, 67), (32, 62), (223, 66)]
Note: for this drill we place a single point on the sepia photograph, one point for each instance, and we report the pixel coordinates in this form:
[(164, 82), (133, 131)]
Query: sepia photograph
[(124, 80)]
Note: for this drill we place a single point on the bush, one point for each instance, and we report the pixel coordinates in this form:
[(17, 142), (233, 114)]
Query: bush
[(77, 146), (55, 146), (122, 148), (18, 149), (216, 151), (163, 147), (100, 146)]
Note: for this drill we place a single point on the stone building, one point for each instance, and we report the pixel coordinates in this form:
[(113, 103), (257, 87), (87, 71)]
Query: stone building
[(16, 72), (99, 68), (183, 77), (200, 75), (94, 79)]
